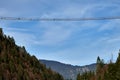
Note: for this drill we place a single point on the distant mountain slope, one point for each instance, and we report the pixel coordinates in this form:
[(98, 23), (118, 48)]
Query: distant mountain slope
[(17, 64), (66, 70)]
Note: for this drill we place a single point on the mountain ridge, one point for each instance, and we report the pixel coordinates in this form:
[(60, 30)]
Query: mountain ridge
[(68, 71)]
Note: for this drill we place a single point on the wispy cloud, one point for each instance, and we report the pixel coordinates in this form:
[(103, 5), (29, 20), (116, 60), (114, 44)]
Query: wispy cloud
[(114, 40), (20, 36), (110, 25), (53, 35)]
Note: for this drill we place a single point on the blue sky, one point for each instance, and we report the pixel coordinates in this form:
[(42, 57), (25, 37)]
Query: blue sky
[(71, 42)]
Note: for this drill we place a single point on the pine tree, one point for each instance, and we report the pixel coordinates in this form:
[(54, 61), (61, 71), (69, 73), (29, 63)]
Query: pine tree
[(98, 65), (99, 69), (118, 66), (78, 77)]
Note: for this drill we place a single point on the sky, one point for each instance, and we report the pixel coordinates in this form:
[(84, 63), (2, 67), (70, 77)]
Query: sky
[(70, 42)]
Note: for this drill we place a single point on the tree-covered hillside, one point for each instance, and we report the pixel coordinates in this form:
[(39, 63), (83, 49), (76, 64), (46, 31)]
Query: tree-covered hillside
[(110, 71), (17, 64)]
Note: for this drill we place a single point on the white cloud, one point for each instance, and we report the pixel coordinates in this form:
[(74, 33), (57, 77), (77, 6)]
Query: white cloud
[(16, 29), (110, 25), (53, 35), (21, 38), (114, 40)]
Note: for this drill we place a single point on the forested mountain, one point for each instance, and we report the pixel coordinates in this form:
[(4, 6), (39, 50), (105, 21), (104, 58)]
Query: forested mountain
[(66, 70), (108, 71), (17, 64)]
